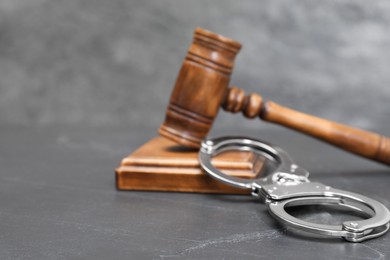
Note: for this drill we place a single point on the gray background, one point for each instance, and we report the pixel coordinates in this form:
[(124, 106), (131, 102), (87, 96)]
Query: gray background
[(58, 201), (84, 83), (98, 62)]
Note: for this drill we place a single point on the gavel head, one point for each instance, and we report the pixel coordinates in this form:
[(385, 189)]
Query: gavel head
[(200, 88)]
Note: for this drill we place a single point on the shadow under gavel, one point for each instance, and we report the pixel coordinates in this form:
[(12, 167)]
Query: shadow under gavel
[(202, 87)]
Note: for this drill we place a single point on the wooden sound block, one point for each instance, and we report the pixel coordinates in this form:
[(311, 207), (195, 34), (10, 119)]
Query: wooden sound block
[(162, 165)]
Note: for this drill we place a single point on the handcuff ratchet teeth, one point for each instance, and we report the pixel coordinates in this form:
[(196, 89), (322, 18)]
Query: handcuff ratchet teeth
[(287, 185)]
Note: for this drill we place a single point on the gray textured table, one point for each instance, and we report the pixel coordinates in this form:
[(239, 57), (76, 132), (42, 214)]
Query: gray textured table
[(58, 201)]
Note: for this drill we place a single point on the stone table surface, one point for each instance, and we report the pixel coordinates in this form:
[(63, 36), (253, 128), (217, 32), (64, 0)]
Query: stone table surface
[(58, 201)]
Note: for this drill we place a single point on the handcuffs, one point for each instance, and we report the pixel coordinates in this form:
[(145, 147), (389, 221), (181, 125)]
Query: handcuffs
[(288, 185)]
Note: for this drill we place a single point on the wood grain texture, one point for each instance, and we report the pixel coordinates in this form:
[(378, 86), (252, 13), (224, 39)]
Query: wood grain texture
[(162, 165), (200, 88), (383, 153), (364, 143)]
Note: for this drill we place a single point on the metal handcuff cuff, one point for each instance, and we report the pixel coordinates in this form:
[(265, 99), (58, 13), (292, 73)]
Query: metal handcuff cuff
[(288, 186)]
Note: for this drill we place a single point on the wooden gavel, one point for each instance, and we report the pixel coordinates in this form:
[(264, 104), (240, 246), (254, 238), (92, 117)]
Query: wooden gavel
[(202, 87)]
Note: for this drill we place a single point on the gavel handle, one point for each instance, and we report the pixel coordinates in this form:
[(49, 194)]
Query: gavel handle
[(364, 143)]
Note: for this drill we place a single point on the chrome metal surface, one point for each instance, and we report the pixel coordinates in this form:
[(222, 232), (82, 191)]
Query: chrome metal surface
[(288, 186)]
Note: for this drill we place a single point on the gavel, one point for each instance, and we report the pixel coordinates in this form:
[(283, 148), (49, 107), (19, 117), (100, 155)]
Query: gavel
[(202, 88)]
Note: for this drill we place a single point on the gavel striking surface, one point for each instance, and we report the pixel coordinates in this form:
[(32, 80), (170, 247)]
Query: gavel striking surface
[(58, 200)]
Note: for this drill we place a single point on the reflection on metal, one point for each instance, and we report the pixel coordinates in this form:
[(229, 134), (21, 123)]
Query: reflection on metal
[(288, 186)]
